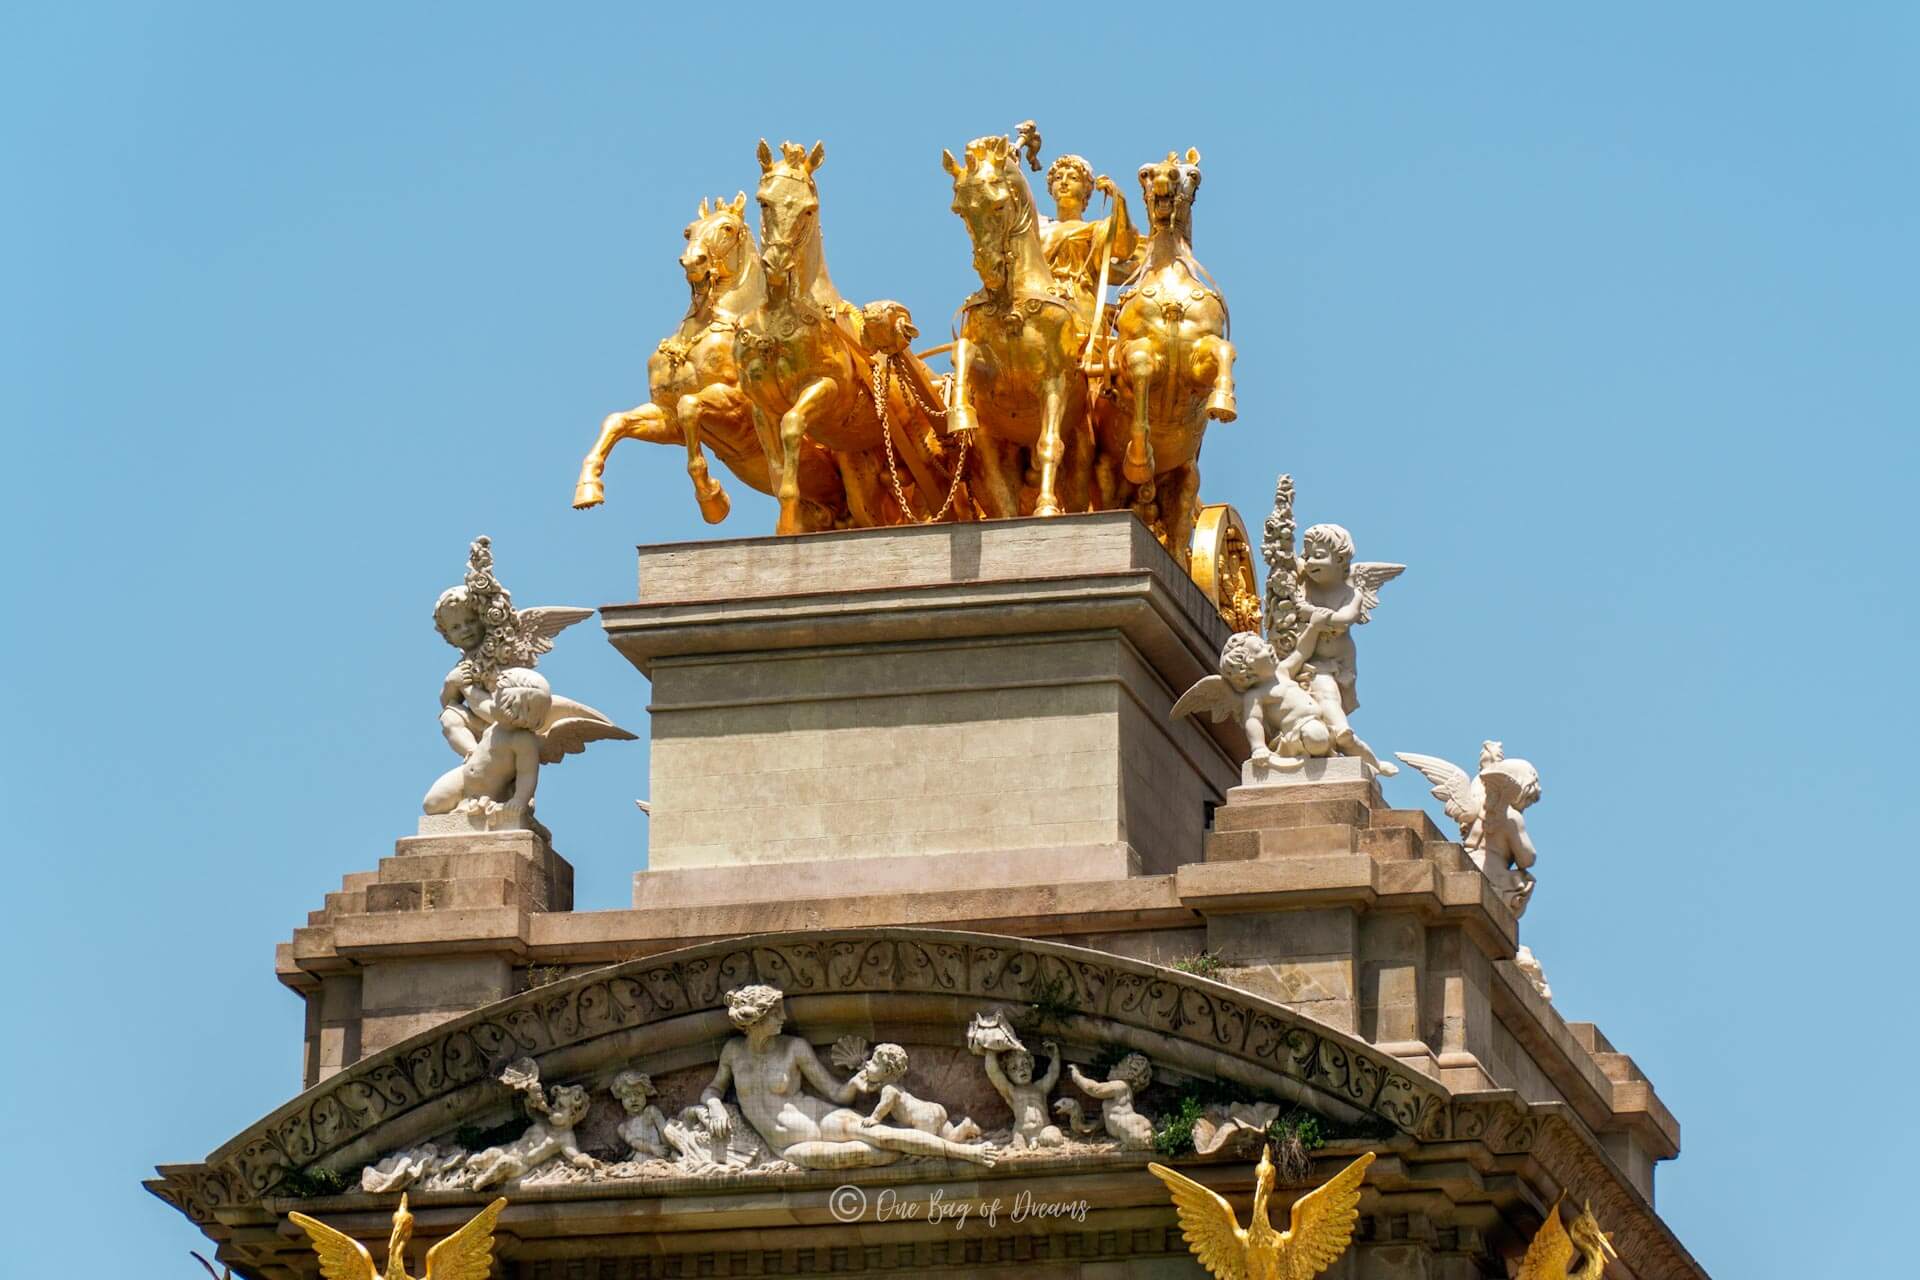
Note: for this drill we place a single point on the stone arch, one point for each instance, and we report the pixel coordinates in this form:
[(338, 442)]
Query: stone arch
[(668, 1010)]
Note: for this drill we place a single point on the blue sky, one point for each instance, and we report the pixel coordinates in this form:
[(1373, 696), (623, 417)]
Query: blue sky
[(1601, 320)]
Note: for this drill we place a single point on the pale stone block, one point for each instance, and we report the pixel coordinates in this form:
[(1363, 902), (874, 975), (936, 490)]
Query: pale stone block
[(1350, 769), (427, 982)]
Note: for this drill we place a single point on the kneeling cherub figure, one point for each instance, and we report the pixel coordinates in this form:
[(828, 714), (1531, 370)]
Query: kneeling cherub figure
[(503, 769), (1282, 721)]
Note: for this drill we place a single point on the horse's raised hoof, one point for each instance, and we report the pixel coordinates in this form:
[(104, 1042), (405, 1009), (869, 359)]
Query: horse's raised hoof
[(961, 419), (1135, 466), (588, 494), (1221, 408), (714, 504)]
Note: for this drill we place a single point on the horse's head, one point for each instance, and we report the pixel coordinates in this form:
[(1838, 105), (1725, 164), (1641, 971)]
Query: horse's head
[(1169, 188), (992, 197), (718, 244), (789, 207)]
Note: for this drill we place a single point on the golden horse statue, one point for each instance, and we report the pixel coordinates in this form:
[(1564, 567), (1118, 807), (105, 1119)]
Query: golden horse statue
[(1016, 360), (817, 369), (695, 385), (1170, 359)]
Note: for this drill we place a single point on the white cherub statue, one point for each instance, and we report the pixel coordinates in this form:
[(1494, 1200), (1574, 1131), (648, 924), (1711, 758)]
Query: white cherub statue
[(1488, 809), (496, 712), (644, 1129), (549, 1138), (1336, 594), (1261, 690), (1313, 602), (1125, 1078), (881, 1073)]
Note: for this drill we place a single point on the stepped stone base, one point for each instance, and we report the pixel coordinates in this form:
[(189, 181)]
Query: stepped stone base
[(436, 932)]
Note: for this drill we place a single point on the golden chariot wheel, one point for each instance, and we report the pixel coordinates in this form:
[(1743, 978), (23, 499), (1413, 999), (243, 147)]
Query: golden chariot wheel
[(1223, 566)]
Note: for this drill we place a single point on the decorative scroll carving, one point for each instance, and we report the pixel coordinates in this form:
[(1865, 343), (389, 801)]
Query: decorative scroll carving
[(351, 1107)]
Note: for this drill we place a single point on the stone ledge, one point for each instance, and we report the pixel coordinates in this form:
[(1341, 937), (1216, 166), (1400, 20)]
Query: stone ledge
[(722, 885)]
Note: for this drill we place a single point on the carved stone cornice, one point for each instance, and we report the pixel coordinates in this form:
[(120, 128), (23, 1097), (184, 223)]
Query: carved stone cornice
[(672, 1005)]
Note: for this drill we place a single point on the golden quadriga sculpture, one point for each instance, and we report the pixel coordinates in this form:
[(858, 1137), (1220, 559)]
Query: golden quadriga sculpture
[(1056, 402), (467, 1254), (1318, 1232)]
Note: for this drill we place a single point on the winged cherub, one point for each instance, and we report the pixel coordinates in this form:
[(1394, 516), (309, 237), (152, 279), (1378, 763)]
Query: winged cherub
[(1319, 1231), (494, 686), (1334, 595), (1261, 690), (467, 1254), (1550, 1254), (1488, 809)]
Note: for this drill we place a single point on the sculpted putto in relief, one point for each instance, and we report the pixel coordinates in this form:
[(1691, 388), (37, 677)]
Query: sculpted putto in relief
[(770, 1074), (549, 1138), (1010, 1071), (1127, 1077), (887, 1065)]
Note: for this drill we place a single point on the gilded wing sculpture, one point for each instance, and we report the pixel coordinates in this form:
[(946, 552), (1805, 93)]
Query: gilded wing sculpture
[(467, 1254), (1319, 1231), (1552, 1252)]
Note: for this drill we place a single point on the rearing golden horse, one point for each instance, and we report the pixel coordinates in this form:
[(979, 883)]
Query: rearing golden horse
[(1016, 362), (694, 386), (1170, 358), (806, 358)]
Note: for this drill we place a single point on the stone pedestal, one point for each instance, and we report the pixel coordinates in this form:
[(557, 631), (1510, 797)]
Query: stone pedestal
[(436, 932), (971, 706)]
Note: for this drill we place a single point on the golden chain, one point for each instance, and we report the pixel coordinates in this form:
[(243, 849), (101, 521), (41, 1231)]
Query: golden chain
[(882, 380)]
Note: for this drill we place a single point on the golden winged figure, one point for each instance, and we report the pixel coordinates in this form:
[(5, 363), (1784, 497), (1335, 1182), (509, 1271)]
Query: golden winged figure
[(467, 1254), (1550, 1256), (1320, 1230)]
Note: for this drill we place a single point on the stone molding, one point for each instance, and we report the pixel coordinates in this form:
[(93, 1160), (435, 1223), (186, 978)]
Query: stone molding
[(1217, 1024), (672, 1004)]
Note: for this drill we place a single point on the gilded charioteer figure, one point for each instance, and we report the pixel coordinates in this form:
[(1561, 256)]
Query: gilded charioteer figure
[(695, 398), (1017, 382), (1087, 253)]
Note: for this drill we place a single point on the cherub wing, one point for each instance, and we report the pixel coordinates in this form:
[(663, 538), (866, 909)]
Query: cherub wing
[(1367, 578), (1551, 1252), (571, 725), (1212, 695), (467, 1254), (1206, 1220), (1322, 1225), (341, 1256), (544, 623), (1452, 786)]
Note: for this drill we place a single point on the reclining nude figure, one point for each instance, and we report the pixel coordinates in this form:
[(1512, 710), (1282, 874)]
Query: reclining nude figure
[(770, 1073)]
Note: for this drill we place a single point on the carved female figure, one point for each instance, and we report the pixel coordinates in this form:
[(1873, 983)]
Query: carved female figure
[(694, 383), (770, 1074), (1171, 361), (1016, 363)]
